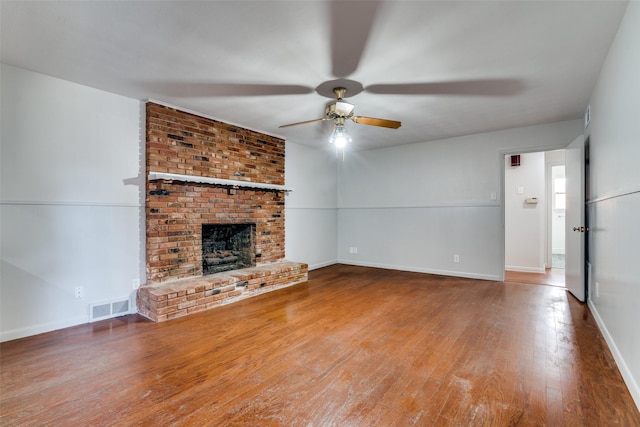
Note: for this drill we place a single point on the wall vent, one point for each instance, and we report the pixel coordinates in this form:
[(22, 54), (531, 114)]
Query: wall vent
[(108, 309)]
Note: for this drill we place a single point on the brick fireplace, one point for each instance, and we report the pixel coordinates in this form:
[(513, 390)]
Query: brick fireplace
[(182, 213)]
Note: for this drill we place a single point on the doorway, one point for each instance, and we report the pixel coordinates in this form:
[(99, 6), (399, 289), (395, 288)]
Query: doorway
[(556, 191), (534, 200)]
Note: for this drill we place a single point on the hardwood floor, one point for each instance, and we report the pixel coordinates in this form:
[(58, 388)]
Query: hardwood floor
[(551, 276), (354, 346)]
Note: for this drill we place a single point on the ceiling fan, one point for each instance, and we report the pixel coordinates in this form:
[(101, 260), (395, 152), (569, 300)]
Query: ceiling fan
[(351, 25), (339, 112)]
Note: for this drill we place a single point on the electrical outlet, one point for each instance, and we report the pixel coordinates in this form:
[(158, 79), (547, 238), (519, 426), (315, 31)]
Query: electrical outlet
[(79, 292), (456, 258), (135, 284), (353, 250)]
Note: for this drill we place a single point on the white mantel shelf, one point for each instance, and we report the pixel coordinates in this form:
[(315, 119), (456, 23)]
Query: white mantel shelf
[(217, 181)]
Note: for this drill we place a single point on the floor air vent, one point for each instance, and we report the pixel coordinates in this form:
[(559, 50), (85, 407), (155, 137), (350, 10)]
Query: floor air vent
[(109, 309)]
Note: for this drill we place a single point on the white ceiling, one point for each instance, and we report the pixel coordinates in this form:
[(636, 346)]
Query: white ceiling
[(259, 63)]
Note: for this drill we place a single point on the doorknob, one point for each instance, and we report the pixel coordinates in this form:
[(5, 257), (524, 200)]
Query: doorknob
[(581, 229)]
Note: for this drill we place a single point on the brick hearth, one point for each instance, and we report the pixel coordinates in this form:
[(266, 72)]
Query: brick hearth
[(167, 301)]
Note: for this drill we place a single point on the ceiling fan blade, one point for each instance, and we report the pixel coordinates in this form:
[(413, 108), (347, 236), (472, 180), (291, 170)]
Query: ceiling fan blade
[(304, 123), (204, 89), (351, 24), (371, 121), (480, 87)]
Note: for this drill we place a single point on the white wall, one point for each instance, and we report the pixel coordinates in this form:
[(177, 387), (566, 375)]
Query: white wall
[(415, 206), (614, 198), (525, 223), (71, 173), (311, 225)]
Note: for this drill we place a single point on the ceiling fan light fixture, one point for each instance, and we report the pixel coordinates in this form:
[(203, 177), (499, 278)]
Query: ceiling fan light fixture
[(339, 112), (339, 136)]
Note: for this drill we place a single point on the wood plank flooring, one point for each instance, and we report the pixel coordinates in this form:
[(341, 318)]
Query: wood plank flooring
[(551, 276), (354, 346)]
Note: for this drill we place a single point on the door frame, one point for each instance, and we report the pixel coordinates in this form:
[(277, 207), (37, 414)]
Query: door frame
[(549, 214), (501, 161)]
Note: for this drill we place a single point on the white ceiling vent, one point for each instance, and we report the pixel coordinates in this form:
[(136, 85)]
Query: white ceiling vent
[(108, 309)]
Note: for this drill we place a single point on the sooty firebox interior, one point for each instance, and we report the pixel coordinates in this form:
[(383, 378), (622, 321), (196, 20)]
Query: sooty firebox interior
[(227, 247)]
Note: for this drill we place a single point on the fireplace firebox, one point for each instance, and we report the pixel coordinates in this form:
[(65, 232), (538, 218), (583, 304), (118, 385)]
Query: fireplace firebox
[(227, 247)]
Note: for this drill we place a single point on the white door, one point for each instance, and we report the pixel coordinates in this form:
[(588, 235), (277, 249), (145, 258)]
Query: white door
[(575, 227)]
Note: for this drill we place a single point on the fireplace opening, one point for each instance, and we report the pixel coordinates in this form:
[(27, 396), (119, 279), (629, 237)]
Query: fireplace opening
[(227, 247)]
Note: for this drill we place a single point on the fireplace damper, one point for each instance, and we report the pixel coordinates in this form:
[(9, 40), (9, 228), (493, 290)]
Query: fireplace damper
[(227, 247)]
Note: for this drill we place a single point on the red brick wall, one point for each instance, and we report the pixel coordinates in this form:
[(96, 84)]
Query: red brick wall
[(183, 143)]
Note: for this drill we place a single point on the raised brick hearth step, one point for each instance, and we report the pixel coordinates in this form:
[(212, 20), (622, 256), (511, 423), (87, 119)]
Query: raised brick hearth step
[(164, 301)]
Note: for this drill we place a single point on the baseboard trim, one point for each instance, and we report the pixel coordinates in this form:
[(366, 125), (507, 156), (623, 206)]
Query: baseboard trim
[(627, 376), (323, 264), (464, 274), (14, 334), (524, 269)]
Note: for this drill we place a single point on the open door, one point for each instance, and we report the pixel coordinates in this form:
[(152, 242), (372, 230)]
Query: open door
[(575, 227)]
